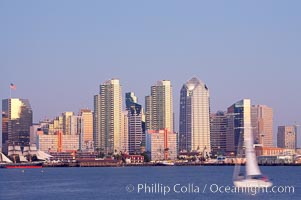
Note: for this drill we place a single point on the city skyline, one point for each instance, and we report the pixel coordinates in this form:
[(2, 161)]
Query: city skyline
[(74, 132), (49, 47), (152, 99), (175, 117)]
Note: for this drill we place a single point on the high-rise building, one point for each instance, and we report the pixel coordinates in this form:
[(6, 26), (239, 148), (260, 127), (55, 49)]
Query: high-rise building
[(136, 132), (194, 133), (107, 117), (159, 107), (262, 124), (75, 125), (239, 125), (67, 122), (4, 133), (131, 100), (287, 137), (148, 112), (218, 132), (86, 132), (16, 122), (124, 132)]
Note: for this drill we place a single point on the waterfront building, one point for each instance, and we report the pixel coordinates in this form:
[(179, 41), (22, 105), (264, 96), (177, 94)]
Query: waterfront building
[(262, 125), (70, 142), (162, 145), (16, 122), (194, 126), (134, 159), (58, 142), (159, 107), (47, 143), (287, 137), (108, 117), (51, 135), (273, 151)]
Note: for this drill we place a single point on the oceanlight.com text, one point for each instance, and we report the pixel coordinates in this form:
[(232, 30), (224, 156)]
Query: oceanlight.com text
[(192, 188)]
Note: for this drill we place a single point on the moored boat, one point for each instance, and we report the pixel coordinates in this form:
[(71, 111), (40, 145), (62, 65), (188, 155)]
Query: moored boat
[(23, 165), (166, 163)]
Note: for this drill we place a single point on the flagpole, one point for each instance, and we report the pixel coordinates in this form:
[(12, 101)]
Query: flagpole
[(10, 92)]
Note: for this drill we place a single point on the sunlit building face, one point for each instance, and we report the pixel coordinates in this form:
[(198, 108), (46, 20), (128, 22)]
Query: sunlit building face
[(108, 117), (159, 107), (17, 119), (194, 133)]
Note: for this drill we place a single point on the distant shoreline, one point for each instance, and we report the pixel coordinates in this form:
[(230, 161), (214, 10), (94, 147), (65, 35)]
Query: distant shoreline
[(152, 165)]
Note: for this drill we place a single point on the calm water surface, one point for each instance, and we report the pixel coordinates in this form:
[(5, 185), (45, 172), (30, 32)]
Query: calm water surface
[(124, 182)]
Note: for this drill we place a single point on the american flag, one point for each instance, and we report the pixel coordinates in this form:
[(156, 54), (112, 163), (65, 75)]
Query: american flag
[(13, 86)]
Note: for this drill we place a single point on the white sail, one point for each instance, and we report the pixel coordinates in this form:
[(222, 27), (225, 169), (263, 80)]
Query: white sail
[(252, 168), (43, 156), (4, 158), (253, 176)]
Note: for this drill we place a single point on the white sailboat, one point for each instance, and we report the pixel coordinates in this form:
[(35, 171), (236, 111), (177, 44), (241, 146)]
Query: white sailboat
[(253, 177), (166, 163)]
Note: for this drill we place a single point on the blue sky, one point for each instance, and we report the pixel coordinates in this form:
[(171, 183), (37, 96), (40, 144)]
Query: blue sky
[(58, 52)]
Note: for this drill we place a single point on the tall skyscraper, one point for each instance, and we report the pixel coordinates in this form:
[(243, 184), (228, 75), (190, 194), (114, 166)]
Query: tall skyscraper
[(262, 124), (239, 125), (218, 132), (159, 107), (86, 133), (107, 117), (131, 100), (16, 122), (135, 124), (148, 112), (124, 132), (287, 137), (194, 124)]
